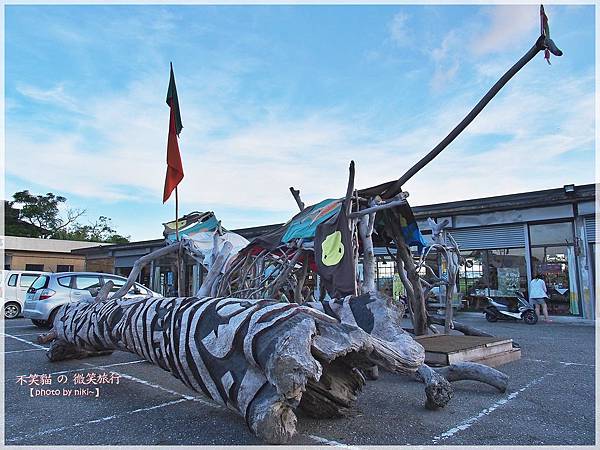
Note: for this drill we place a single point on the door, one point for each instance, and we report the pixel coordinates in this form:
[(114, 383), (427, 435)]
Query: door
[(82, 284)]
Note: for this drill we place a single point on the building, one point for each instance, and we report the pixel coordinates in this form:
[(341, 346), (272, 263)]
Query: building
[(50, 255), (504, 241)]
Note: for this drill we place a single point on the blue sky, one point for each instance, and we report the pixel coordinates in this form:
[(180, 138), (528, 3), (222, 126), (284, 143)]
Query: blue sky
[(279, 96)]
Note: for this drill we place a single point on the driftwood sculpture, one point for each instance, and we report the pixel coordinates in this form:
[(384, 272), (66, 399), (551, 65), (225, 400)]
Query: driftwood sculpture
[(260, 358)]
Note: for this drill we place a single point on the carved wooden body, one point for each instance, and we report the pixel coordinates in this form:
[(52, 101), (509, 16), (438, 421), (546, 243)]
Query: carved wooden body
[(260, 358)]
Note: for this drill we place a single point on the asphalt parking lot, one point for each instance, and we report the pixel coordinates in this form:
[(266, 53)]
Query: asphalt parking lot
[(550, 400)]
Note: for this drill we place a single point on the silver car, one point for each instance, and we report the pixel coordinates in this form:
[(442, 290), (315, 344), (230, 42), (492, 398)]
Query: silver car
[(49, 292)]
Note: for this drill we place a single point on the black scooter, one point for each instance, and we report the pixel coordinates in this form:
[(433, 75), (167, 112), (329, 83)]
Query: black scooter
[(523, 311)]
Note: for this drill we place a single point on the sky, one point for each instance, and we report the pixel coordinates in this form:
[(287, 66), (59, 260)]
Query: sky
[(280, 96)]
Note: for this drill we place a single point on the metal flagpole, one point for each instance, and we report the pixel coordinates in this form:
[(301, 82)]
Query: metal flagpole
[(179, 284)]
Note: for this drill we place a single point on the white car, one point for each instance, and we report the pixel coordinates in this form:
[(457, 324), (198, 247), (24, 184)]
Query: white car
[(15, 284)]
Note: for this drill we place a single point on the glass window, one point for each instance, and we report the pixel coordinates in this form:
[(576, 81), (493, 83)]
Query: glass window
[(470, 273), (65, 281), (86, 282), (64, 268), (551, 233), (12, 281), (39, 267), (495, 273), (40, 282), (27, 279)]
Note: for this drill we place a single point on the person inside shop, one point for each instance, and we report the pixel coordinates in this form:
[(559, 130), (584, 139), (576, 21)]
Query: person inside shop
[(538, 293)]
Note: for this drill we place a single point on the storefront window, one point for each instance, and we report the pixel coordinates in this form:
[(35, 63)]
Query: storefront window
[(385, 275), (492, 273)]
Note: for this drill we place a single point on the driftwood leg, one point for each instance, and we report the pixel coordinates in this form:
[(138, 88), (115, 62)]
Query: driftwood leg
[(61, 350), (437, 389), (475, 372)]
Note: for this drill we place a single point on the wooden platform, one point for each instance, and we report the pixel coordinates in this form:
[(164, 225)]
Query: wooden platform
[(442, 350)]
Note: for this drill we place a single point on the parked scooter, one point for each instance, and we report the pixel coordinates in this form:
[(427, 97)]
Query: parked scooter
[(499, 311)]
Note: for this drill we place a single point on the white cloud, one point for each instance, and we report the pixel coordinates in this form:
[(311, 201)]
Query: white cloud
[(508, 24), (399, 31), (117, 150), (55, 95), (446, 61)]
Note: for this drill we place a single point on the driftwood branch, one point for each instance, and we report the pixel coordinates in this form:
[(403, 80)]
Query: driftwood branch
[(104, 291), (215, 270), (379, 207), (296, 195), (140, 263), (458, 326), (540, 44), (350, 188), (301, 280), (365, 230)]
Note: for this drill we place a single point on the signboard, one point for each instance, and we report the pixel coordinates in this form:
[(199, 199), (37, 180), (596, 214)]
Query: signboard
[(508, 279)]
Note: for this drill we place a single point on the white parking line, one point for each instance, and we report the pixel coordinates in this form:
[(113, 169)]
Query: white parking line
[(564, 363), (102, 419), (104, 366), (28, 350), (472, 420), (170, 391), (27, 334), (324, 441), (25, 341), (144, 382)]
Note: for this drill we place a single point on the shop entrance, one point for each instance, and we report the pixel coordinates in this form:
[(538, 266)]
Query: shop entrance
[(553, 257)]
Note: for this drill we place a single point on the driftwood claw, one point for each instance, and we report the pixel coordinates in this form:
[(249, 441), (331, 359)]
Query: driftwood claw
[(46, 337), (437, 381)]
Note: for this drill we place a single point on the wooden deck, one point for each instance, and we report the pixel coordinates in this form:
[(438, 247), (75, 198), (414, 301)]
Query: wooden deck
[(442, 350)]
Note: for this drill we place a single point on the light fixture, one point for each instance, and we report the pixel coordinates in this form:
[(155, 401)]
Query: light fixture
[(569, 188)]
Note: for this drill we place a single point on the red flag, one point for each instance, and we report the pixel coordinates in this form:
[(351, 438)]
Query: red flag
[(174, 166)]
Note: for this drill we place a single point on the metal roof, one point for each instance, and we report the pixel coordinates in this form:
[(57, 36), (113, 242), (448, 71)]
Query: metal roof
[(45, 245)]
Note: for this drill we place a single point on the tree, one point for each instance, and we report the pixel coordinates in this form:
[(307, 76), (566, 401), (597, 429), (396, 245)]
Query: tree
[(13, 226), (42, 211), (99, 231), (39, 216)]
